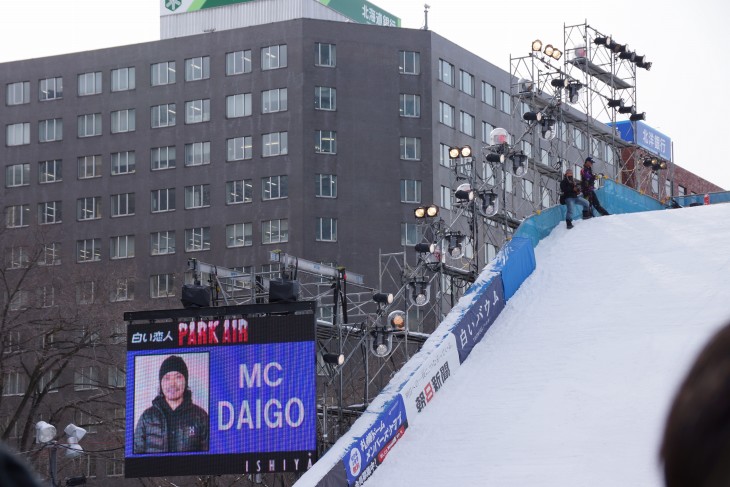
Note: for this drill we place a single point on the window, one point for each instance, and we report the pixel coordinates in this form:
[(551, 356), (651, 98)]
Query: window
[(89, 167), (544, 157), (122, 204), (18, 93), (197, 239), (238, 62), (162, 285), (410, 191), (506, 102), (162, 243), (444, 158), (20, 300), (88, 250), (17, 216), (162, 158), (273, 57), (409, 234), (409, 62), (50, 130), (326, 229), (274, 100), (49, 380), (655, 183), (546, 197), (49, 212), (325, 98), (16, 257), (122, 290), (325, 142), (17, 175), (51, 254), (89, 125), (239, 235), (274, 187), (197, 196), (163, 73), (486, 131), (274, 231), (163, 200), (123, 162), (123, 79), (50, 89), (579, 136), (508, 182), (446, 114), (238, 105), (527, 189), (275, 144), (14, 384), (163, 115), (325, 186), (325, 55), (410, 148), (240, 148), (197, 111), (410, 105), (115, 464), (49, 171), (90, 83), (667, 188), (240, 191), (121, 247), (117, 377), (197, 68), (681, 190), (446, 72), (609, 155), (86, 378), (88, 208), (467, 123), (123, 121), (17, 134), (466, 82), (445, 200), (527, 148), (197, 153)]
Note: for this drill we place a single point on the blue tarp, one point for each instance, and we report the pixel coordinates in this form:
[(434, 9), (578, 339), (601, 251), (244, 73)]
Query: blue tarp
[(515, 261)]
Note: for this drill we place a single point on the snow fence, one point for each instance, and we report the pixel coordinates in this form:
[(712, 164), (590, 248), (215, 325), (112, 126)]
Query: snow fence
[(355, 456)]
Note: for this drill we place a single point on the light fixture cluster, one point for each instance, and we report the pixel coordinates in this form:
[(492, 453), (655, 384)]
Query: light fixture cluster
[(549, 50), (618, 104), (572, 87), (623, 52), (654, 163), (430, 211), (457, 152), (546, 124)]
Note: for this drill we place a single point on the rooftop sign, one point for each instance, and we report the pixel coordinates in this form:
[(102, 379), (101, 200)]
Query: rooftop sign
[(646, 137)]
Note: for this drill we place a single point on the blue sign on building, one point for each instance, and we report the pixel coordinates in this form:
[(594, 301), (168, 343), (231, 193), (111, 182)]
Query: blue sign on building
[(645, 137)]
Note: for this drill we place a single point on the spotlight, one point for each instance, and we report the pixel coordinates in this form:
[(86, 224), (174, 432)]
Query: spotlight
[(630, 55), (639, 59), (426, 211), (663, 165), (490, 204), (383, 298), (635, 117), (644, 64), (420, 292), (499, 158), (537, 45), (549, 50), (455, 248), (425, 248), (602, 41), (397, 319), (532, 116), (626, 109), (381, 342), (619, 48), (559, 83), (464, 193), (574, 92), (334, 358), (557, 54), (615, 103), (547, 128), (519, 162), (648, 162), (456, 152)]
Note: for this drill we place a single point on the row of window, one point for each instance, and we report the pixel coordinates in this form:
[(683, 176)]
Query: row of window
[(164, 73), (467, 84)]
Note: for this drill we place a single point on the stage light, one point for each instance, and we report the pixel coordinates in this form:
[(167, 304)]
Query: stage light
[(537, 45), (426, 211), (615, 103), (453, 152), (397, 319), (455, 249), (639, 59), (644, 64), (499, 158), (334, 358), (626, 109), (547, 130), (549, 50), (559, 83), (630, 55), (635, 117), (383, 298), (425, 248), (44, 432), (419, 292), (663, 165), (464, 193), (557, 54), (574, 92), (532, 116), (619, 48), (602, 41), (490, 204), (456, 152), (381, 343), (648, 162), (75, 431), (499, 136), (519, 167)]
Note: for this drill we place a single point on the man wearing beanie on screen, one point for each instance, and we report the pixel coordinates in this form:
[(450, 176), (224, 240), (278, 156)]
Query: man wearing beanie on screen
[(173, 423)]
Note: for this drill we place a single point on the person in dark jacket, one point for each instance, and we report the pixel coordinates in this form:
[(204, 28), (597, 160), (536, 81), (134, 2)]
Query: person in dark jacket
[(173, 423), (570, 195), (587, 185)]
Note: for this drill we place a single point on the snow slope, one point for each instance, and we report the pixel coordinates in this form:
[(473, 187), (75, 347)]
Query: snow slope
[(571, 384)]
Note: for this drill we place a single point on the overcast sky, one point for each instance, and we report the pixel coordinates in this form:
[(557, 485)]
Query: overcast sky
[(682, 95)]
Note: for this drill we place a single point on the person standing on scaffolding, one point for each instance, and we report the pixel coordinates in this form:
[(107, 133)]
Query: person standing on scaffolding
[(570, 197), (587, 186)]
